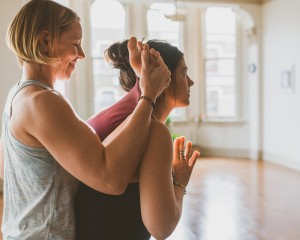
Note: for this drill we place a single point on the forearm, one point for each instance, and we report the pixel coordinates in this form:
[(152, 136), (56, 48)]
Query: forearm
[(124, 148), (161, 203), (161, 206)]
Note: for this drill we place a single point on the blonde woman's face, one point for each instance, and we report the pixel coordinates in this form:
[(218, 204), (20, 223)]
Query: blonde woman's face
[(69, 51)]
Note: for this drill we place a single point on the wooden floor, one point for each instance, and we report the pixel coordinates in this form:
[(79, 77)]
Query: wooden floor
[(237, 199)]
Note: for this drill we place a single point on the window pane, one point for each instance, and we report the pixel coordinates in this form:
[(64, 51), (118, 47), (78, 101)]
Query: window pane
[(220, 62), (160, 27), (107, 17), (220, 88), (220, 68), (220, 21)]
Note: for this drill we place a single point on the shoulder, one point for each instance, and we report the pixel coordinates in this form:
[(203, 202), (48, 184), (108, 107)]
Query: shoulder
[(40, 107), (160, 135), (160, 129), (43, 101)]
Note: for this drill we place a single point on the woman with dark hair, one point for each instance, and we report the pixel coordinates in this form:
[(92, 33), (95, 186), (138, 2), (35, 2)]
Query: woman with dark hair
[(152, 202)]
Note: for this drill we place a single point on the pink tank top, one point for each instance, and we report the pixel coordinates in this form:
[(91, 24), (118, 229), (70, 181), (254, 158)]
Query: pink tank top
[(109, 119)]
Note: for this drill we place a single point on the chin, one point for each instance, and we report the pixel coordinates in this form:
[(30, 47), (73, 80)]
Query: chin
[(65, 76)]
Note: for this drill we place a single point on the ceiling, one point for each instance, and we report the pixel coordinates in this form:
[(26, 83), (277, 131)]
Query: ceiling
[(231, 1), (207, 1)]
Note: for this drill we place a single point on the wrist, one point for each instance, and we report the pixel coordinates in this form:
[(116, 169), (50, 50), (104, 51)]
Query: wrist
[(179, 185), (148, 99)]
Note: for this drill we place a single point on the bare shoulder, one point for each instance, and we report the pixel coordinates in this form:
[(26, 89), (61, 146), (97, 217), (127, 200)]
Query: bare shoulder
[(36, 111), (160, 140), (160, 130), (48, 99)]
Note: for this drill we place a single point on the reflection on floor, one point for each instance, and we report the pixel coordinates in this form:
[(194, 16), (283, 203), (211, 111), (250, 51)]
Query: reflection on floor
[(238, 199)]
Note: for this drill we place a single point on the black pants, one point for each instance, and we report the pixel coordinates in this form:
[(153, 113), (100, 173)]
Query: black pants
[(109, 217)]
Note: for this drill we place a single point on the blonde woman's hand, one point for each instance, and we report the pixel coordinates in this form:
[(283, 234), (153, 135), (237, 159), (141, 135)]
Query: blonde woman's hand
[(183, 161), (147, 63)]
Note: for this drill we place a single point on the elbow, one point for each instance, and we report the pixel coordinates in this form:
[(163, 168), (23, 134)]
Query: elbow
[(118, 189), (161, 227), (162, 230), (161, 233), (119, 186), (114, 187)]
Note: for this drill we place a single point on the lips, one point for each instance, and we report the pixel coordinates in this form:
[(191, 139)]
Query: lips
[(72, 64)]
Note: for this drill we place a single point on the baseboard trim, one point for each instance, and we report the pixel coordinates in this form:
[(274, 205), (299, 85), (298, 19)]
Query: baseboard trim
[(282, 160), (222, 152)]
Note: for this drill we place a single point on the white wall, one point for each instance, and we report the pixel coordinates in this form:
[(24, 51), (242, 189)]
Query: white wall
[(281, 51), (9, 69), (10, 72)]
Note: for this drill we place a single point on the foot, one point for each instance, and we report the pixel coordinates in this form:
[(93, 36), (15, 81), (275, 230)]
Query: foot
[(135, 50)]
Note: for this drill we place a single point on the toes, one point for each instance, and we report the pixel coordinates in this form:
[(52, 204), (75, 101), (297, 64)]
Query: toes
[(132, 44)]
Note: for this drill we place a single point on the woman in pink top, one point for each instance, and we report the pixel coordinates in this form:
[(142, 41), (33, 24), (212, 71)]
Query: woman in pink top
[(152, 202)]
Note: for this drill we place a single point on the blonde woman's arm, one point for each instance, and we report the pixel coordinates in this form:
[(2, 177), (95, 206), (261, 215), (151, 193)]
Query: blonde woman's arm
[(161, 201), (44, 118)]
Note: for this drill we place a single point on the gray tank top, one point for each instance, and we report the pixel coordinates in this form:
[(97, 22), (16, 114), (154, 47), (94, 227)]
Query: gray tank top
[(38, 192)]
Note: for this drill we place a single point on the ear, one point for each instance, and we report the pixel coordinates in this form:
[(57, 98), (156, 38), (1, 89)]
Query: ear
[(44, 40)]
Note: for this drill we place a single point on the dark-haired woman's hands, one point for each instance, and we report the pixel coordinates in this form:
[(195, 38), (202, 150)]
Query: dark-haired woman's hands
[(183, 161)]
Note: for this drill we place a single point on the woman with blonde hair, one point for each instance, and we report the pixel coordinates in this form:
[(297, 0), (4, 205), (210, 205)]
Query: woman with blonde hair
[(45, 147)]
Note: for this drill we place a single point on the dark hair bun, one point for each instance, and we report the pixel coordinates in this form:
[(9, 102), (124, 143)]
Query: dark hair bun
[(117, 56)]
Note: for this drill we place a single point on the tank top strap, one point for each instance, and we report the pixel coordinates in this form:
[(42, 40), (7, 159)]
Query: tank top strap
[(19, 86)]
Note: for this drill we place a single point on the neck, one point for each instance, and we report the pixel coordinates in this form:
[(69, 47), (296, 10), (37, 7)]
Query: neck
[(161, 112), (38, 72)]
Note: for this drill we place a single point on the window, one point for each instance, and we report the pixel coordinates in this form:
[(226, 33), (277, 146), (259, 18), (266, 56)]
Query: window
[(220, 63), (159, 27), (107, 17), (61, 85)]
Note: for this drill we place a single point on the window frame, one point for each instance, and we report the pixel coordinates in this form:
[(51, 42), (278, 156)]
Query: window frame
[(238, 75), (182, 115)]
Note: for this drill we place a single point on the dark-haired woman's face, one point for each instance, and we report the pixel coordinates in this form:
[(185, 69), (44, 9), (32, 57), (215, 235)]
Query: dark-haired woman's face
[(181, 86)]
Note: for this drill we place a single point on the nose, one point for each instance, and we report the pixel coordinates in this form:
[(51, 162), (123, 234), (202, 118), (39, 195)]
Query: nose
[(80, 53), (190, 81)]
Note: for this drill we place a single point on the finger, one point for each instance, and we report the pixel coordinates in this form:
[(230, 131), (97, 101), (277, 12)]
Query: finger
[(182, 142), (188, 149), (181, 149), (176, 147), (193, 159), (153, 59), (168, 79)]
